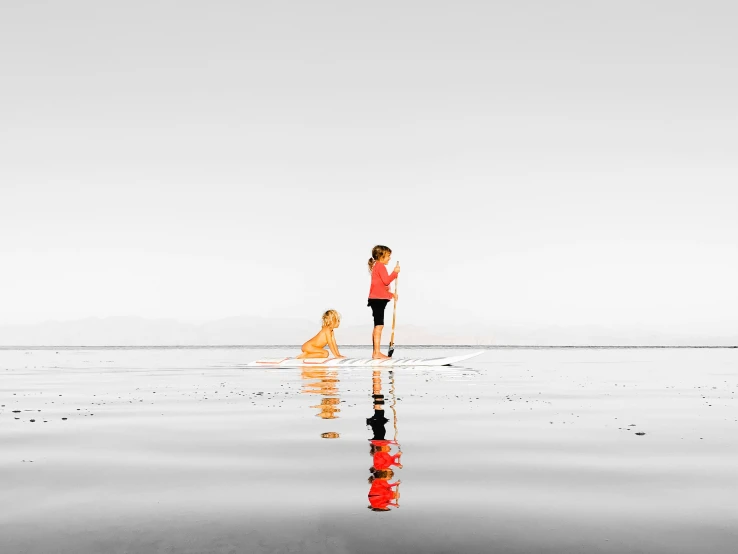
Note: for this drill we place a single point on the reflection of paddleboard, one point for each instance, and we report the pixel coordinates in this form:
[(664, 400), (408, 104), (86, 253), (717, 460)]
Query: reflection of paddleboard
[(360, 362)]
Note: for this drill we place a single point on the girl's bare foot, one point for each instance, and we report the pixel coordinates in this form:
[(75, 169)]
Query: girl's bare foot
[(380, 356)]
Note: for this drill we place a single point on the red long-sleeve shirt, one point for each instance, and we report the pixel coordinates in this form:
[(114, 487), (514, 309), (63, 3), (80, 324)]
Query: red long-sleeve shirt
[(380, 282), (381, 494), (384, 460)]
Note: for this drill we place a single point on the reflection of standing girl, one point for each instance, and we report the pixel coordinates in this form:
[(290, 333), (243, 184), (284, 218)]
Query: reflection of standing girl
[(382, 493)]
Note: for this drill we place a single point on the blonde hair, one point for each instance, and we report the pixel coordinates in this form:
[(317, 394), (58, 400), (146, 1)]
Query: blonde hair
[(331, 318), (378, 252)]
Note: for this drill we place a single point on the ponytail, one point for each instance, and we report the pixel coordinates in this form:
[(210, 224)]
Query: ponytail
[(378, 252)]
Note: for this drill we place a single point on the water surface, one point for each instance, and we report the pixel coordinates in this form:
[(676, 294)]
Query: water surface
[(519, 450)]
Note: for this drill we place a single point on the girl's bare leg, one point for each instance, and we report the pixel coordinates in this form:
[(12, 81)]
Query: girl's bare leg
[(313, 354), (376, 339), (312, 351)]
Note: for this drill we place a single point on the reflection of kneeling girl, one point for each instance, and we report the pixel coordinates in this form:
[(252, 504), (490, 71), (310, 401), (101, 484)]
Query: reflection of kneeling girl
[(381, 493)]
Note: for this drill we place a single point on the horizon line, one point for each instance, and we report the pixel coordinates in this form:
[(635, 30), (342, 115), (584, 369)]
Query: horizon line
[(297, 346)]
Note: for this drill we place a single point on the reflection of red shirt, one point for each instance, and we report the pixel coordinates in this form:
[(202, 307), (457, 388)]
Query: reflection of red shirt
[(381, 442), (380, 282), (381, 494), (384, 460)]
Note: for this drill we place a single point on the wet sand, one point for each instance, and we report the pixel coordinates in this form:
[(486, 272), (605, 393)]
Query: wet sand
[(187, 451)]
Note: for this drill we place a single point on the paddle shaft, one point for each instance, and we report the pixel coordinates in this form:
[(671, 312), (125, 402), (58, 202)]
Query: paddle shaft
[(394, 318)]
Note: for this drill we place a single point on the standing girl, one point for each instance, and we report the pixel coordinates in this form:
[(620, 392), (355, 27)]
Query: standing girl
[(379, 293)]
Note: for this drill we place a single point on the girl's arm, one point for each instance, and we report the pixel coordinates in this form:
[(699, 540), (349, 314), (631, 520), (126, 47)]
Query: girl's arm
[(385, 277), (333, 346)]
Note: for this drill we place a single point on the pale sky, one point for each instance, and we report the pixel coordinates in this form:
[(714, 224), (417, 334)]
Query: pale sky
[(561, 163)]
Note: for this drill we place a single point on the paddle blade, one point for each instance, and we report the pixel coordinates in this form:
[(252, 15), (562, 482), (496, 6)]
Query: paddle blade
[(391, 350)]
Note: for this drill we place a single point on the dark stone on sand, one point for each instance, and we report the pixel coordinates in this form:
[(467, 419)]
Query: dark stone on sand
[(64, 419), (16, 411), (33, 421), (640, 433)]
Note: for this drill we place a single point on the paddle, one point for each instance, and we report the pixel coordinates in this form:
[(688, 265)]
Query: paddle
[(394, 316), (394, 415)]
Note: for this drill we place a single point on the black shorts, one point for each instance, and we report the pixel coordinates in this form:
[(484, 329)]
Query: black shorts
[(378, 305)]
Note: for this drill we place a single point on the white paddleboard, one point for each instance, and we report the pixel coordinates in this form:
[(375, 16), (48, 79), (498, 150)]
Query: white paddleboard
[(360, 362)]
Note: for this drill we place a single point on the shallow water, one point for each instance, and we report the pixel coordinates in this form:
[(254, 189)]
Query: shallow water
[(520, 450)]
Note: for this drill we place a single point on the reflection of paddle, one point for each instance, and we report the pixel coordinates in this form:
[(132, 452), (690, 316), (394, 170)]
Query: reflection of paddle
[(392, 406), (394, 414), (394, 316)]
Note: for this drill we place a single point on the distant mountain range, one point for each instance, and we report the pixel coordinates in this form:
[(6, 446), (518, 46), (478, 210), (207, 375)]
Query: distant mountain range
[(137, 331)]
